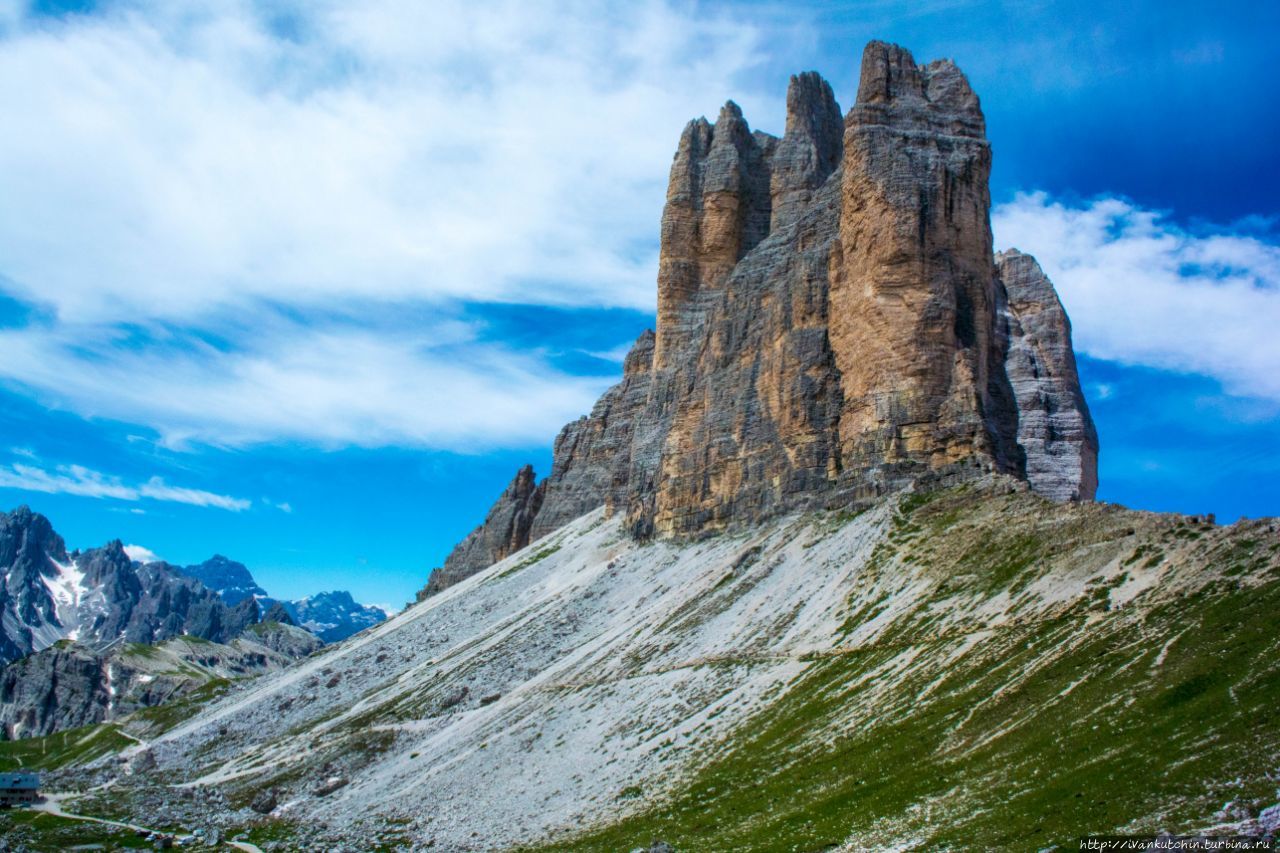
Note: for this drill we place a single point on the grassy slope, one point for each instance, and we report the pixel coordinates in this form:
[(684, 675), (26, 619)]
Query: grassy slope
[(1032, 734), (26, 829)]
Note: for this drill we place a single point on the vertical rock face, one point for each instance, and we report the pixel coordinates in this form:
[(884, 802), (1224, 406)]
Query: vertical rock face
[(831, 325), (1054, 427), (809, 150), (912, 291), (592, 454), (718, 209)]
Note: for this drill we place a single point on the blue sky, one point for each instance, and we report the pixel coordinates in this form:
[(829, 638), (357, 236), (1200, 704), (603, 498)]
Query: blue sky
[(305, 283)]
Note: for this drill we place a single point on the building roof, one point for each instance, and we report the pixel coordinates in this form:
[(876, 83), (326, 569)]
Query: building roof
[(19, 781)]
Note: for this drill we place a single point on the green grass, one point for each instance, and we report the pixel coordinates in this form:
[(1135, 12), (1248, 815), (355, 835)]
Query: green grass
[(538, 556), (1038, 734), (73, 746), (40, 831), (161, 718)]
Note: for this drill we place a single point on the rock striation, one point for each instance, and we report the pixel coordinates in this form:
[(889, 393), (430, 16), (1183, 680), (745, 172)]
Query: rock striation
[(1054, 428), (832, 324)]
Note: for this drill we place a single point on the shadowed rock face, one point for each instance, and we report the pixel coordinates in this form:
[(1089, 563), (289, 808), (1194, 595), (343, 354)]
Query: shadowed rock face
[(1054, 427), (831, 325), (505, 530)]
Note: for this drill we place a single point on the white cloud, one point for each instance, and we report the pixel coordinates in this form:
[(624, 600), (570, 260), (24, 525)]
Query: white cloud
[(85, 482), (1141, 290), (333, 387), (172, 165), (139, 554), (160, 158)]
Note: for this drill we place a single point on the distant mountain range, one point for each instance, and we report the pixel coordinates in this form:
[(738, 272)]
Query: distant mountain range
[(100, 596), (331, 616)]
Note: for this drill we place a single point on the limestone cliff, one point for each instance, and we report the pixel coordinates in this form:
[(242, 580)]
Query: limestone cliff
[(1054, 428), (831, 324)]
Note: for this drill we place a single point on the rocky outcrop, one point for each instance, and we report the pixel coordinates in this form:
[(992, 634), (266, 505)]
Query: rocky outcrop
[(1054, 427), (505, 530), (229, 579), (912, 290), (69, 685), (831, 326), (277, 612)]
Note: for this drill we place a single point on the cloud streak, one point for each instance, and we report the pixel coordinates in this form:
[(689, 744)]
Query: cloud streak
[(140, 554), (330, 386), (85, 482), (161, 159)]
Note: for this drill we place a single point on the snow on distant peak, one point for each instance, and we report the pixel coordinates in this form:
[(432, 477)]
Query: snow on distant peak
[(66, 588)]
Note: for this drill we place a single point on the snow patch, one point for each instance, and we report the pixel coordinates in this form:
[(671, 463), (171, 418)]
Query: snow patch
[(66, 588)]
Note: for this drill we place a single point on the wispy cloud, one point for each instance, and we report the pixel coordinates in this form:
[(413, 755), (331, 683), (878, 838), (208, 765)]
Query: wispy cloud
[(1142, 290), (348, 386), (85, 482), (159, 158), (179, 176)]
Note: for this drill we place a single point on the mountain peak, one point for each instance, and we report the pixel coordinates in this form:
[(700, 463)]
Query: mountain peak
[(832, 325)]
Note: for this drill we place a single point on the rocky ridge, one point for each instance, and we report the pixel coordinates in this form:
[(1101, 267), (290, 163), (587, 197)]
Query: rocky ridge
[(98, 597), (101, 596), (69, 685), (831, 324)]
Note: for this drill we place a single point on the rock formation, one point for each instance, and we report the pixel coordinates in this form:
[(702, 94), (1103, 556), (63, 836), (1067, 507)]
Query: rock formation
[(831, 324), (97, 596), (1054, 428), (101, 596), (69, 685), (229, 579)]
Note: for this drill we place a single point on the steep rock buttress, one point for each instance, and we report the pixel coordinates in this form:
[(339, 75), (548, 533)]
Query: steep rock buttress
[(831, 324)]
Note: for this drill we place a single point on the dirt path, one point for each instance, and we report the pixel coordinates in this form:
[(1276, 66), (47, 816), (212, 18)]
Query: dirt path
[(52, 804)]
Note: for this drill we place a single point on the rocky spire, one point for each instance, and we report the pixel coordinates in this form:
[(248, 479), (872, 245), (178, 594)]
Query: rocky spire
[(717, 210), (831, 325), (809, 150), (912, 291), (1054, 426)]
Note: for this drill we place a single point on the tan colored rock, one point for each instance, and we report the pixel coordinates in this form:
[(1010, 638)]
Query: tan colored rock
[(830, 326), (912, 290)]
